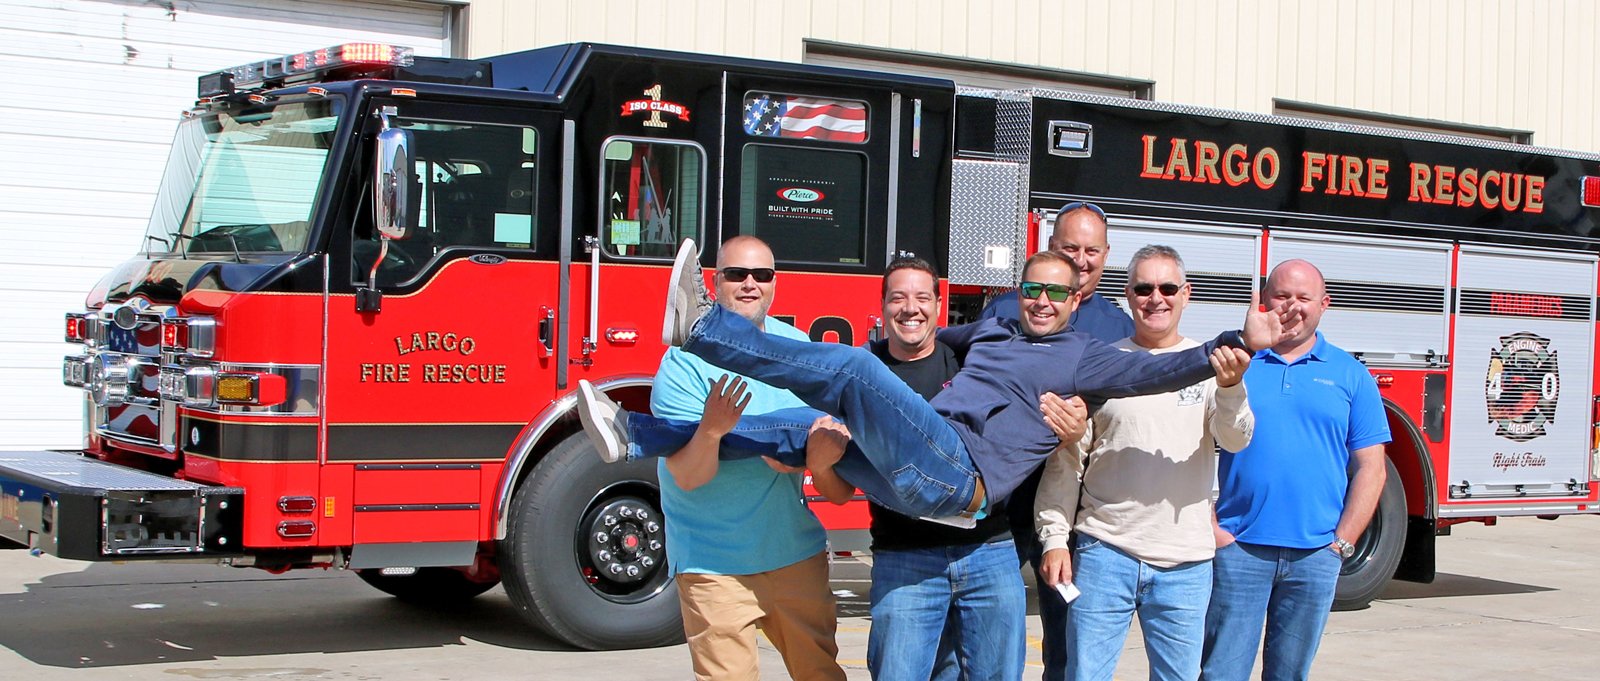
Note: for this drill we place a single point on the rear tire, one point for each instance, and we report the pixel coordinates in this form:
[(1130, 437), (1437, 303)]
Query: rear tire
[(1365, 574), (432, 586), (584, 558)]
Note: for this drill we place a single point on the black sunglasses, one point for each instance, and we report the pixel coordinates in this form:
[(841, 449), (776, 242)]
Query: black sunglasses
[(738, 274), (1056, 292), (1167, 289)]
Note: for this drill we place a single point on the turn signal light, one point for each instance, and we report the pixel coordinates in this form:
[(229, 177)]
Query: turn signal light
[(77, 330), (622, 336), (1384, 380), (251, 388)]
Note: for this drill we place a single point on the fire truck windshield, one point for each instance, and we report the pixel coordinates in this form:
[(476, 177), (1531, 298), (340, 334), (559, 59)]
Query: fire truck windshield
[(243, 181)]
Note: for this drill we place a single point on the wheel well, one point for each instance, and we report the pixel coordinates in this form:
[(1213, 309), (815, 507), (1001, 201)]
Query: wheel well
[(552, 427), (1412, 460)]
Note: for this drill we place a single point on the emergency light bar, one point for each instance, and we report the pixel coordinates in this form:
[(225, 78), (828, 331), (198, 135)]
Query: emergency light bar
[(303, 66)]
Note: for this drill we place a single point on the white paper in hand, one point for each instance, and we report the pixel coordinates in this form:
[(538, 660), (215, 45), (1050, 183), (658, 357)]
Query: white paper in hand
[(1069, 591)]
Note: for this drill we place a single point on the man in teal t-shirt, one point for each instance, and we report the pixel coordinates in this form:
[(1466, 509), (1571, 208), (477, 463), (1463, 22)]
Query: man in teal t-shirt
[(745, 549)]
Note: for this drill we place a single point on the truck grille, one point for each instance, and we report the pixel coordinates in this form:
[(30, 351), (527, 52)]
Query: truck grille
[(122, 373)]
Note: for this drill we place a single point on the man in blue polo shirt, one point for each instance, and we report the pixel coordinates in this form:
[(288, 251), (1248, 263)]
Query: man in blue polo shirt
[(1080, 234), (1287, 514)]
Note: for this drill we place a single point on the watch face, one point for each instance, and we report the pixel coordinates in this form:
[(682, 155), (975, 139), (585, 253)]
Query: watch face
[(1346, 549)]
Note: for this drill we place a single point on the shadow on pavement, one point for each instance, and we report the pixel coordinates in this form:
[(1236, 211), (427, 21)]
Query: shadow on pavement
[(1446, 585), (110, 615)]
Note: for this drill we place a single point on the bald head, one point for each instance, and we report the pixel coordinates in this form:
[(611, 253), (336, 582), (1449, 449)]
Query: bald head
[(1297, 291), (1299, 270), (741, 247), (1080, 234), (746, 297)]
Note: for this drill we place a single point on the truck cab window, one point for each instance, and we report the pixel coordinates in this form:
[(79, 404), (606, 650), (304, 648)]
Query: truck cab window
[(653, 194), (809, 204), (475, 191)]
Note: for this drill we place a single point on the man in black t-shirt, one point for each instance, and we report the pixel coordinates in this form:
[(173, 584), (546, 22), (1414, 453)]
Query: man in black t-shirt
[(933, 582)]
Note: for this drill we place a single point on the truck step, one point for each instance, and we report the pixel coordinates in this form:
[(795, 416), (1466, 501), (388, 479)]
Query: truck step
[(74, 506)]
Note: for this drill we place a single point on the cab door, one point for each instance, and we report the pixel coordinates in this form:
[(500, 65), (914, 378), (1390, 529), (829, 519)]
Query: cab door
[(427, 394)]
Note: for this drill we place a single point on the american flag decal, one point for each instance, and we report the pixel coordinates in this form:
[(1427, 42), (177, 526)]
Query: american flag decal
[(814, 118)]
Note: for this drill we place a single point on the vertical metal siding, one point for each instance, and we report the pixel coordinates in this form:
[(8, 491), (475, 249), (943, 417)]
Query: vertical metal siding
[(94, 90)]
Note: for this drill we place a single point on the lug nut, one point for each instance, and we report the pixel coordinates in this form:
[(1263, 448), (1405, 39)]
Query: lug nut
[(603, 555), (647, 561), (625, 512), (602, 538), (655, 545), (644, 514), (616, 569), (633, 571), (610, 521), (652, 527)]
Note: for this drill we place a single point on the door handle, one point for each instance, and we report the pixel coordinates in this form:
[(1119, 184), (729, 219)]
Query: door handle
[(547, 329)]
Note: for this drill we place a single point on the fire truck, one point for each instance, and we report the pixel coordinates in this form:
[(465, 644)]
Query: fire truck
[(351, 336)]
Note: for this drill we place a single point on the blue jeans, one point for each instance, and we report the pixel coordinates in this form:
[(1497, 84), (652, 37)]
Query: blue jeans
[(1171, 603), (902, 453), (1289, 590), (969, 598)]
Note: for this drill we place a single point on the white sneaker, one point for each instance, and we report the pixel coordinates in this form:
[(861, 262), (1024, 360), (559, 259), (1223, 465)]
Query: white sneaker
[(687, 297), (602, 421)]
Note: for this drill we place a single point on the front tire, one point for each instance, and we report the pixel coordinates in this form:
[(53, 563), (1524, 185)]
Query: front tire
[(584, 558), (1365, 574)]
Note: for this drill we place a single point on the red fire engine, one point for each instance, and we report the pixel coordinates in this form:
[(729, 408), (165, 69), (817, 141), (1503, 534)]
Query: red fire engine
[(371, 281)]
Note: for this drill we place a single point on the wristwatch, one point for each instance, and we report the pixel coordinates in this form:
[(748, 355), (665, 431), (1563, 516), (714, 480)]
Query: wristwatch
[(1346, 549)]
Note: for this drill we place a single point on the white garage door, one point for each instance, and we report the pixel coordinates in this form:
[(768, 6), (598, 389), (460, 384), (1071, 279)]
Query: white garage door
[(93, 89)]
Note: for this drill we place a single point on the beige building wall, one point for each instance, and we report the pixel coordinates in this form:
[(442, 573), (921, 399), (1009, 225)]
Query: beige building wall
[(1518, 64)]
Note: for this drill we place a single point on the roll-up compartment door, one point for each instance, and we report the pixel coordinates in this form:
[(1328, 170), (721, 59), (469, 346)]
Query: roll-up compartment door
[(1219, 261), (1524, 356), (1389, 297)]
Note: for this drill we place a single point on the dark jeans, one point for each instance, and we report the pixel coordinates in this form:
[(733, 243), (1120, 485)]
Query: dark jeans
[(902, 453)]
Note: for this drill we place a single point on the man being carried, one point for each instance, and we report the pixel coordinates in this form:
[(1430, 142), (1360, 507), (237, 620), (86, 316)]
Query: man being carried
[(973, 444)]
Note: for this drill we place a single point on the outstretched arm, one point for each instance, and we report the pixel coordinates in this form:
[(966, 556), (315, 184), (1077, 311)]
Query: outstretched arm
[(1104, 371)]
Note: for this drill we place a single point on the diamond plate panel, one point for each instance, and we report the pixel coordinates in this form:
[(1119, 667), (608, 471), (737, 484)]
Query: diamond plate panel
[(988, 212), (81, 471)]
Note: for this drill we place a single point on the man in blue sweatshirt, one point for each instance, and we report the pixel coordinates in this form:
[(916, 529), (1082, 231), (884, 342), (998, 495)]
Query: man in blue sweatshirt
[(1079, 233), (974, 443)]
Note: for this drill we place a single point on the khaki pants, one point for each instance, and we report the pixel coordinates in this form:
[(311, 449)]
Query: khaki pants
[(793, 605)]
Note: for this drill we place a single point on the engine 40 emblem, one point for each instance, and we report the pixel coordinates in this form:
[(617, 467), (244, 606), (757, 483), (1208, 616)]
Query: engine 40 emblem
[(1522, 386)]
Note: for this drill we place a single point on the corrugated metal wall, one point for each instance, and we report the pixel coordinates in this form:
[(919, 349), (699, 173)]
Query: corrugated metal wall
[(1520, 64)]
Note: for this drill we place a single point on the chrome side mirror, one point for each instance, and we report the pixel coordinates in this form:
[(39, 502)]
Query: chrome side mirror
[(393, 204)]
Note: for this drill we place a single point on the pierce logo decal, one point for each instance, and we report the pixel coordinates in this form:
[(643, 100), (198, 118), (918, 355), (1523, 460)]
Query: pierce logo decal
[(800, 194)]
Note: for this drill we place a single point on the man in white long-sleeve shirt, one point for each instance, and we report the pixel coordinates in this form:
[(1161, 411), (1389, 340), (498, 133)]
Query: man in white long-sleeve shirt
[(1137, 489)]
